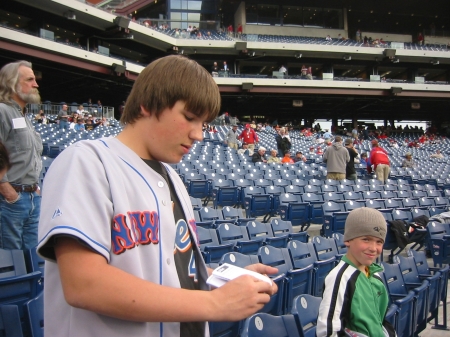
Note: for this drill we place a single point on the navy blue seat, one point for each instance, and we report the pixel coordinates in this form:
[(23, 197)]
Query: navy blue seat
[(402, 298), (352, 195), (223, 193), (305, 309), (282, 228), (35, 315), (293, 209), (263, 231), (438, 241), (334, 216), (294, 189), (210, 247), (294, 282), (424, 270), (235, 215), (315, 207), (266, 325), (238, 235), (10, 324)]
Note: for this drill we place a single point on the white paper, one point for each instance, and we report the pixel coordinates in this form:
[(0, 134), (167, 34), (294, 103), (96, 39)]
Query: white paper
[(227, 272), (19, 123)]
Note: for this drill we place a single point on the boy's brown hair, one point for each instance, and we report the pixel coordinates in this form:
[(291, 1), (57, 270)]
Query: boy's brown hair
[(168, 80)]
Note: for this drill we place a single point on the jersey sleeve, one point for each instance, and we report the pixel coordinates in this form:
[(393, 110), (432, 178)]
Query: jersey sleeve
[(76, 202)]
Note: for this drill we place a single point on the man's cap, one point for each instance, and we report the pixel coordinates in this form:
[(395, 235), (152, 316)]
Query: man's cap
[(408, 154), (348, 141), (244, 144), (247, 126), (234, 125), (365, 221), (287, 152), (299, 152), (374, 142)]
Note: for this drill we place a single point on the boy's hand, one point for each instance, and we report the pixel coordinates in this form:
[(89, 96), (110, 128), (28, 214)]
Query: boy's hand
[(241, 297)]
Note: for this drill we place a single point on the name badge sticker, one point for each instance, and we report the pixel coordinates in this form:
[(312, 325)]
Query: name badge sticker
[(19, 123)]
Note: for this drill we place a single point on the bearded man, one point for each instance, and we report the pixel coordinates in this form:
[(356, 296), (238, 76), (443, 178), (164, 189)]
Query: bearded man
[(20, 200)]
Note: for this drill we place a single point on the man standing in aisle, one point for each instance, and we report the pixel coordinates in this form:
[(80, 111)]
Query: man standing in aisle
[(20, 201), (336, 157), (249, 136), (63, 118), (380, 161), (232, 138)]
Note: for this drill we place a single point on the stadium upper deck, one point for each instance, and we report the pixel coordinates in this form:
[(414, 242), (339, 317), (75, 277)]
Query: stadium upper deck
[(86, 72)]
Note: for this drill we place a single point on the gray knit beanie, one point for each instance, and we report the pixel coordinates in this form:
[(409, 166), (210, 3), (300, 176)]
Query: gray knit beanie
[(365, 221)]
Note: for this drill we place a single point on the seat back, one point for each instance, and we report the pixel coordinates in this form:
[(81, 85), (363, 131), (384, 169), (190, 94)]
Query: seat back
[(305, 309), (266, 325), (35, 313)]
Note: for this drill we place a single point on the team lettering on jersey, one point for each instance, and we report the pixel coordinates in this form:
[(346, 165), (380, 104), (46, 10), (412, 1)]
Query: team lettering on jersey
[(142, 229), (183, 244)]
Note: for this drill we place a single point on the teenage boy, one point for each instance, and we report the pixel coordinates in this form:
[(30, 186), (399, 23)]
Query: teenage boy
[(355, 299), (129, 264)]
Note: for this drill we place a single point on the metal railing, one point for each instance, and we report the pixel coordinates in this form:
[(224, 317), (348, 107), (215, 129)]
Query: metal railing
[(53, 109)]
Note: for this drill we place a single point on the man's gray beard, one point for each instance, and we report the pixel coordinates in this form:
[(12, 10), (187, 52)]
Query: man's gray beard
[(31, 98)]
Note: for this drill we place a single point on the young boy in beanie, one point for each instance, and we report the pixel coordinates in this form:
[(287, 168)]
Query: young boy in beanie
[(355, 299)]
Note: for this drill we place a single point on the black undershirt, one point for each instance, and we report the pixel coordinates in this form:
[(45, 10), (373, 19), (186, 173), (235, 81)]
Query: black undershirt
[(182, 258)]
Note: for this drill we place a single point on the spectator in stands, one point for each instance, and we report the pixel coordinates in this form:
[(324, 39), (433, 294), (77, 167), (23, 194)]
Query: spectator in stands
[(327, 136), (283, 70), (358, 36), (89, 126), (336, 157), (355, 133), (319, 151), (328, 38), (232, 138), (215, 70), (253, 125), (306, 72), (283, 141), (259, 156), (350, 172), (63, 118), (73, 122), (408, 161), (299, 157), (230, 30), (80, 110), (226, 118), (273, 157), (80, 125), (437, 155), (380, 161), (239, 31), (110, 274), (20, 202), (244, 150), (225, 66), (364, 159), (249, 136), (176, 34), (420, 39), (350, 287), (41, 118), (287, 158)]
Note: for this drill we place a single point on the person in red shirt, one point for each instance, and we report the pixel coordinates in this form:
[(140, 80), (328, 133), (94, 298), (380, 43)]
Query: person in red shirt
[(380, 161), (287, 158), (249, 136), (319, 150)]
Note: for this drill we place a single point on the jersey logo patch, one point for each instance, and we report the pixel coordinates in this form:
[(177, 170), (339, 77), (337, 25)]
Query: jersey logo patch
[(57, 213), (142, 227)]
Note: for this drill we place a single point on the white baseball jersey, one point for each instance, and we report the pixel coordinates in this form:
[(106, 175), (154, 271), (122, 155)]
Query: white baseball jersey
[(102, 193)]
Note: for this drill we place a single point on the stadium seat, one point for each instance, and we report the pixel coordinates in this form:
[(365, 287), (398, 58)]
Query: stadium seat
[(282, 228), (266, 325), (211, 249), (238, 235), (305, 309), (263, 231), (292, 209), (35, 315), (334, 216), (438, 241)]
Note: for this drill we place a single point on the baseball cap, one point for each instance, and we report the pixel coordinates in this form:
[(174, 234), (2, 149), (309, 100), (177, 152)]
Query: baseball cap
[(247, 125), (365, 221)]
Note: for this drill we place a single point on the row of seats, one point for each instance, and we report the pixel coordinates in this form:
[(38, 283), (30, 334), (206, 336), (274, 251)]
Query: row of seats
[(21, 299), (416, 292)]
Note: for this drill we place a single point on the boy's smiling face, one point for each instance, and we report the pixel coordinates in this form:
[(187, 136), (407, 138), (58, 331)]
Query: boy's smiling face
[(364, 250)]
